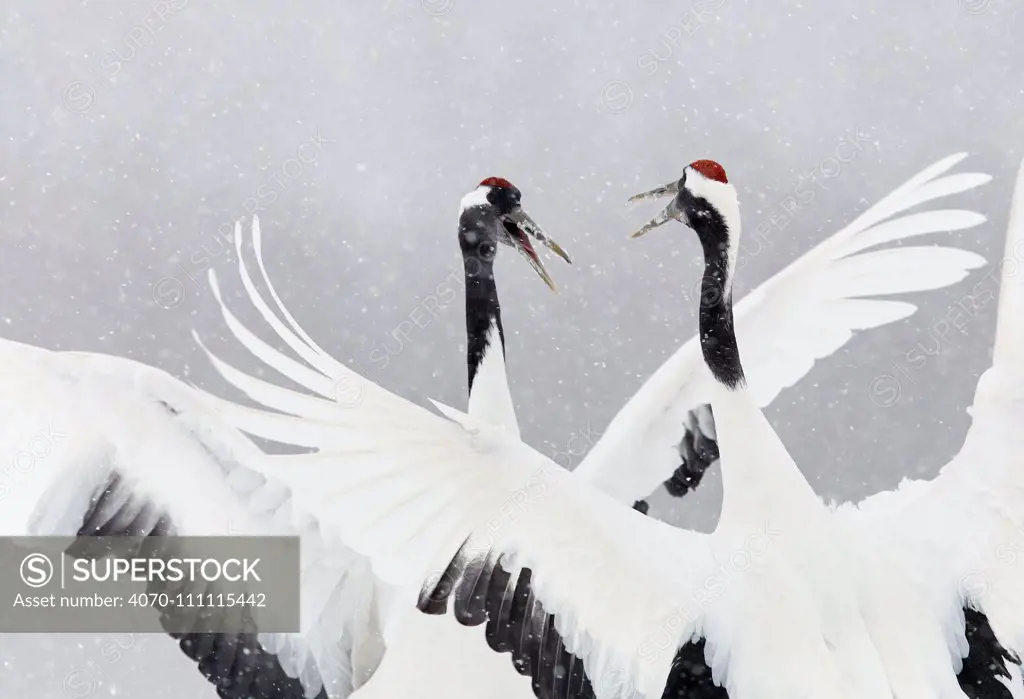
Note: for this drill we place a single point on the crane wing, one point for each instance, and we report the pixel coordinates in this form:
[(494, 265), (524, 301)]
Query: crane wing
[(960, 536), (117, 448), (446, 506), (804, 313)]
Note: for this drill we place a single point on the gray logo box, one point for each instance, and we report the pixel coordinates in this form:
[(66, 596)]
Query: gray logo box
[(172, 584)]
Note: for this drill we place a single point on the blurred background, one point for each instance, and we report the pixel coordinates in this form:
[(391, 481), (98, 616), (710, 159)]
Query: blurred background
[(134, 133)]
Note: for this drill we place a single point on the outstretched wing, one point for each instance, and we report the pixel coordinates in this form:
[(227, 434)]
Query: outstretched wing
[(960, 536), (120, 448), (804, 313), (569, 583)]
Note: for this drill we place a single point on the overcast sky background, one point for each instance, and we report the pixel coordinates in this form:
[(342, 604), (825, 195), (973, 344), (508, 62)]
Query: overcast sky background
[(133, 131)]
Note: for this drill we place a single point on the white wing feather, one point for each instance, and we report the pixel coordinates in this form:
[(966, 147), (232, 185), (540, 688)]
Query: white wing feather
[(960, 535), (611, 577), (804, 313), (438, 647), (98, 414), (407, 488)]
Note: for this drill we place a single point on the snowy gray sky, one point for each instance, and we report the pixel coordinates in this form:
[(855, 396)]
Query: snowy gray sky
[(133, 131)]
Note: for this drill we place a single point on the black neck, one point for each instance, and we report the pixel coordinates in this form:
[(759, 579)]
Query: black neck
[(482, 308), (717, 332)]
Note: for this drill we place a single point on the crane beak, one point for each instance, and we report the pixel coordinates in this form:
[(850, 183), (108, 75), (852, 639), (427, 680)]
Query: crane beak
[(520, 228), (671, 189), (672, 211)]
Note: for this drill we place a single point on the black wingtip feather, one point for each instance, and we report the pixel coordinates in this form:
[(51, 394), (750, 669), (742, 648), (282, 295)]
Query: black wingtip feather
[(518, 624), (987, 660)]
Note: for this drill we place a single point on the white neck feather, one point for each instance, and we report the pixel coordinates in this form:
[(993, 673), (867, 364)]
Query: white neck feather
[(490, 400), (478, 197), (760, 478)]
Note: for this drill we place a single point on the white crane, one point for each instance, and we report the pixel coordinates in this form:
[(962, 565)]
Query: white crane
[(129, 450), (614, 582), (442, 657), (135, 451), (430, 649), (490, 215), (806, 312)]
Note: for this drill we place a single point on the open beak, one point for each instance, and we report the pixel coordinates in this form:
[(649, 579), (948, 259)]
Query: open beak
[(672, 211), (520, 228)]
